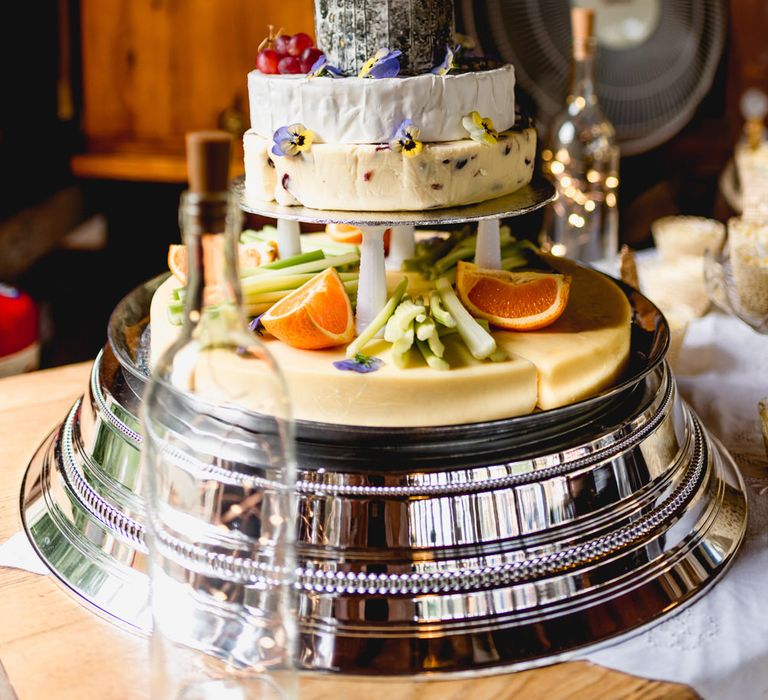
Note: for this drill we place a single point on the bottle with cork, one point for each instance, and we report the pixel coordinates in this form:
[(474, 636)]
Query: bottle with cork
[(219, 458), (581, 157)]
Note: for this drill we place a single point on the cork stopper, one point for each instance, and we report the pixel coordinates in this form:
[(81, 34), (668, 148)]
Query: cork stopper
[(208, 156), (583, 31)]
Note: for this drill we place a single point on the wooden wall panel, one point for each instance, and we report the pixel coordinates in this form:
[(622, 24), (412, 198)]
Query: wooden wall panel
[(154, 69)]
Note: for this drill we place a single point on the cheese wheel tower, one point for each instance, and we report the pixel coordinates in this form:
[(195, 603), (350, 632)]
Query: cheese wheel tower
[(351, 31)]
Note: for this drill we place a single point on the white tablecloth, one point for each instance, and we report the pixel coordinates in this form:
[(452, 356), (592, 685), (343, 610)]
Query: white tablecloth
[(719, 645)]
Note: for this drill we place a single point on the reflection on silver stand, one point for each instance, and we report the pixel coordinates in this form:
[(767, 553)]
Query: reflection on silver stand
[(466, 548)]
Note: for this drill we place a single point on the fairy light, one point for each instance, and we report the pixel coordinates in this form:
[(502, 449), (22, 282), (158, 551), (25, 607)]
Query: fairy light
[(593, 176), (546, 154), (563, 156), (610, 199), (557, 167), (589, 205), (576, 221), (565, 181), (612, 181), (558, 249)]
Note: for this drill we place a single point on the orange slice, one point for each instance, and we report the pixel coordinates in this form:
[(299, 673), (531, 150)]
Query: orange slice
[(518, 301), (346, 233), (250, 256), (316, 315)]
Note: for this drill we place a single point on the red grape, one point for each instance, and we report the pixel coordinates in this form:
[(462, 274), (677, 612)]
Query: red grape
[(309, 56), (267, 61), (282, 42), (298, 43), (289, 64)]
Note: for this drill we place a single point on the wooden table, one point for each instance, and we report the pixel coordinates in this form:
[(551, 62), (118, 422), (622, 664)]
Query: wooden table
[(53, 648)]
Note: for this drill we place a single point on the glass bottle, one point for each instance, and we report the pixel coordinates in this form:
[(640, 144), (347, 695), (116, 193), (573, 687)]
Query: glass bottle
[(218, 459), (581, 158)]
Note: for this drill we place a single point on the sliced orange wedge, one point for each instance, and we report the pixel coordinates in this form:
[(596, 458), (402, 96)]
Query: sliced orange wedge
[(518, 301), (346, 233), (250, 256), (316, 315)]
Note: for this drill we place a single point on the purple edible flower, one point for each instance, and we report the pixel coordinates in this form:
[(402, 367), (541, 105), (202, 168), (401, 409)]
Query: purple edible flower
[(292, 140), (255, 325), (321, 68), (383, 64), (448, 62), (360, 363)]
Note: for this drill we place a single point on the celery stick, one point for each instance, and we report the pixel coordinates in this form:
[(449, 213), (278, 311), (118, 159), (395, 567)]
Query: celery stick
[(268, 233), (402, 347), (436, 345), (176, 314), (407, 310), (425, 329), (256, 309), (439, 312), (513, 261), (263, 283), (258, 284), (272, 297), (309, 256), (430, 357), (479, 342), (498, 355), (312, 266), (461, 253), (378, 320)]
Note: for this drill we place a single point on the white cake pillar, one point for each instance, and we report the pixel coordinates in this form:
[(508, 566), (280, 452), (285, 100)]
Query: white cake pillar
[(402, 245), (288, 238), (488, 247), (372, 284)]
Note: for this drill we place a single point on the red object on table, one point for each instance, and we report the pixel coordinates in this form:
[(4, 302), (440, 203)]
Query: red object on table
[(18, 321)]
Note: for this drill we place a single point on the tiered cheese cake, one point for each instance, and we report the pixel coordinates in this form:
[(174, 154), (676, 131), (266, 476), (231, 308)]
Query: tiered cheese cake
[(403, 128), (494, 464)]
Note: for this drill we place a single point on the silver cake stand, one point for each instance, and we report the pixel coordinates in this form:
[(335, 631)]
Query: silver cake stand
[(462, 548), (523, 201)]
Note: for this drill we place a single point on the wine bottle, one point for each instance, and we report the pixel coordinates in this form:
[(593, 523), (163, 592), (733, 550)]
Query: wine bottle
[(218, 455), (582, 159)]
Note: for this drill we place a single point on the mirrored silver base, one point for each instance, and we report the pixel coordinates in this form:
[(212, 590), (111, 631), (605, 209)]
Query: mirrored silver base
[(501, 556)]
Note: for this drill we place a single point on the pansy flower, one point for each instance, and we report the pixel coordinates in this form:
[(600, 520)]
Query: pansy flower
[(292, 140), (480, 128), (448, 62), (361, 363), (383, 64), (406, 139), (321, 68)]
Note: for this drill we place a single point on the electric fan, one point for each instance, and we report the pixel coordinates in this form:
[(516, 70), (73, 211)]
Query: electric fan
[(656, 60)]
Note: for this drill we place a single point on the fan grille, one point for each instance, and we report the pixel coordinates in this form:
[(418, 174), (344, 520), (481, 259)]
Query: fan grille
[(649, 92)]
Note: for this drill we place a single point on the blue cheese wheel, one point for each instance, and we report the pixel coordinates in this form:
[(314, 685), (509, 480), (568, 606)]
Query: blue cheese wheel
[(351, 31)]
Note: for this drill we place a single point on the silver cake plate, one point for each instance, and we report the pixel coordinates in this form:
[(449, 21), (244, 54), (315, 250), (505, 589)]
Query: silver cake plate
[(523, 201), (464, 549)]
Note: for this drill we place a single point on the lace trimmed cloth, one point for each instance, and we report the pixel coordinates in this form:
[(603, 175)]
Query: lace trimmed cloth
[(719, 645)]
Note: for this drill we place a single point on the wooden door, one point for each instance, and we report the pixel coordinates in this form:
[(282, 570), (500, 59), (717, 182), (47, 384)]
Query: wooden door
[(155, 69)]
